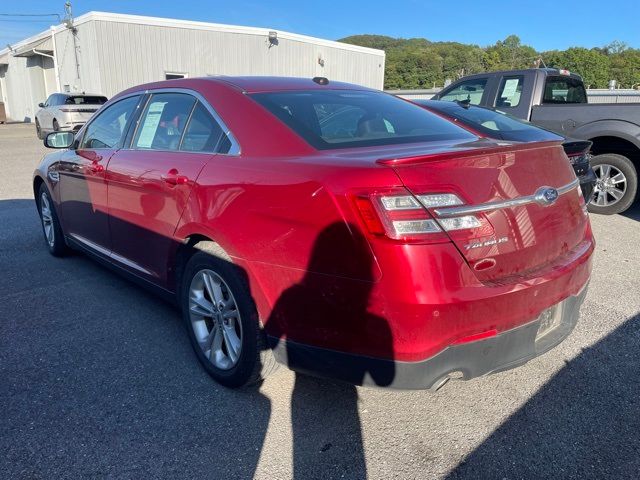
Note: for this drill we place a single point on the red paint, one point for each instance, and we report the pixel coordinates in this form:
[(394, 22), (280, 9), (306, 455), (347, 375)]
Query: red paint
[(274, 205)]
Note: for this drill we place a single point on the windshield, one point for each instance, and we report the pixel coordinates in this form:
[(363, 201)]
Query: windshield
[(85, 100), (492, 123), (330, 119)]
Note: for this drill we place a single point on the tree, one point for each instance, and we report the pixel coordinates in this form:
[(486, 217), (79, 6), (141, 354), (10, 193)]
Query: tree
[(419, 63)]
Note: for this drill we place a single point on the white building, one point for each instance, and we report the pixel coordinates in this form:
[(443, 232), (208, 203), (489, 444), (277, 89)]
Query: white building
[(105, 53)]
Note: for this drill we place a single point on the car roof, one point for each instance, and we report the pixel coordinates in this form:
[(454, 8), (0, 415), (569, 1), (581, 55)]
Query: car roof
[(548, 71), (81, 94), (252, 84)]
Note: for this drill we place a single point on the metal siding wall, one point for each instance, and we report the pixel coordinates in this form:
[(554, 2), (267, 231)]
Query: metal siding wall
[(89, 66), (22, 106), (131, 54)]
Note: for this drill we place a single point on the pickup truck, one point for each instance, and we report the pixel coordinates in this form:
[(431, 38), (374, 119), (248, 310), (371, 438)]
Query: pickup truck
[(557, 100)]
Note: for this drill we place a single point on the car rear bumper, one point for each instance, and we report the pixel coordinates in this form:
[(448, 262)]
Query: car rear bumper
[(587, 184), (503, 351)]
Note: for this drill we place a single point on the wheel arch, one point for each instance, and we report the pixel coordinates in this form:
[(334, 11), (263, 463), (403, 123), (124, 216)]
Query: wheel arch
[(38, 181), (206, 241)]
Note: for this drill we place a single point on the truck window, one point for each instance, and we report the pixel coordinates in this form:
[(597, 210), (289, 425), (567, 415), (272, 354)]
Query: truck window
[(510, 91), (468, 91), (564, 90)]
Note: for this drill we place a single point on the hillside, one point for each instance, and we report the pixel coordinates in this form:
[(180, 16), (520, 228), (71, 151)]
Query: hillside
[(419, 63)]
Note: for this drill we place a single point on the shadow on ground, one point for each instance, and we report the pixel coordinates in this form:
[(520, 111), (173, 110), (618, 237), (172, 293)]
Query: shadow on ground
[(584, 423), (633, 212), (98, 379)]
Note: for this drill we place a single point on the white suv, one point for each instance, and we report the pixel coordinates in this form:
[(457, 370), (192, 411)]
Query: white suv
[(66, 112)]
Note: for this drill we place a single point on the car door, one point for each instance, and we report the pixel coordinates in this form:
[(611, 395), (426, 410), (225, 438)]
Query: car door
[(44, 114), (150, 182), (83, 189)]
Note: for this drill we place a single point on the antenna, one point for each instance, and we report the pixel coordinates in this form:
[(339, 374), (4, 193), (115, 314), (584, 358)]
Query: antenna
[(68, 14)]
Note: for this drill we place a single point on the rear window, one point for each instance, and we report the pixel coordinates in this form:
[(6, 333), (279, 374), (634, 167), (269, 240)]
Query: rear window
[(85, 100), (494, 124), (331, 119), (564, 90)]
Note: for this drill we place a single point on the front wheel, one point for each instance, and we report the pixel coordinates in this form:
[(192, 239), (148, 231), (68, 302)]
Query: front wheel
[(616, 184), (222, 320), (38, 130), (50, 224)]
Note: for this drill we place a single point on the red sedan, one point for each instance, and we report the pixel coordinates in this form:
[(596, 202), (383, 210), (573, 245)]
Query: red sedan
[(339, 230)]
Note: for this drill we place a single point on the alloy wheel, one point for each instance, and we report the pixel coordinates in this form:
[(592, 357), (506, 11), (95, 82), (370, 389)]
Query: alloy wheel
[(47, 219), (215, 319), (611, 185)]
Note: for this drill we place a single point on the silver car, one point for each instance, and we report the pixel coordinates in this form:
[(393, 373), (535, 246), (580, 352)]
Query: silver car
[(66, 112)]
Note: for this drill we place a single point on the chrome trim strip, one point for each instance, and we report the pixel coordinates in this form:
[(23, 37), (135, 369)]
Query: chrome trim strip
[(501, 204), (107, 253)]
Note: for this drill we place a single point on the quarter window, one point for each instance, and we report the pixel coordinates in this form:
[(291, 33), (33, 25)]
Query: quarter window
[(107, 129), (469, 91), (203, 132), (509, 92), (163, 121)]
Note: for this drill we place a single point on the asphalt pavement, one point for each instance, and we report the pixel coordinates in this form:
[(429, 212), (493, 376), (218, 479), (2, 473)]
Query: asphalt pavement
[(97, 380)]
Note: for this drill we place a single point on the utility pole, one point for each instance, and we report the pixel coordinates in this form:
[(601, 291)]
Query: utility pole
[(68, 21)]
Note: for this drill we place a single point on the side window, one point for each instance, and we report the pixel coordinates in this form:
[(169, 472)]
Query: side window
[(49, 101), (468, 91), (107, 129), (203, 132), (510, 91), (564, 90), (163, 121)]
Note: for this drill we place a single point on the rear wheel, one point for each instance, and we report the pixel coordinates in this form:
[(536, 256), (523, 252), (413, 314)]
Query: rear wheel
[(222, 320), (50, 224), (616, 184)]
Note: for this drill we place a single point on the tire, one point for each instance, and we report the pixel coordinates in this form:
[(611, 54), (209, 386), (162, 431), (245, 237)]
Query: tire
[(56, 127), (38, 130), (207, 328), (53, 236), (616, 185)]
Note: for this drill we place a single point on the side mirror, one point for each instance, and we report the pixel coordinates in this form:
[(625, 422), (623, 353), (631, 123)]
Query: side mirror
[(59, 140), (41, 105)]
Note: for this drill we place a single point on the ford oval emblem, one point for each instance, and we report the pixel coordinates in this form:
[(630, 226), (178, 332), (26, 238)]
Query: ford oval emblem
[(546, 196)]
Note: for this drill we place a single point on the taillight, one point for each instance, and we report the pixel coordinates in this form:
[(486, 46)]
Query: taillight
[(402, 216)]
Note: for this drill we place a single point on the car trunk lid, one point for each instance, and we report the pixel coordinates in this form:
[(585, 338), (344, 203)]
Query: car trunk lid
[(525, 197)]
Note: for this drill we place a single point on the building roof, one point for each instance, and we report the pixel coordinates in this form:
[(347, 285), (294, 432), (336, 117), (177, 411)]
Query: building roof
[(190, 25)]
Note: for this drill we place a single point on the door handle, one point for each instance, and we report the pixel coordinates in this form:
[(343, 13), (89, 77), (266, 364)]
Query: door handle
[(173, 178)]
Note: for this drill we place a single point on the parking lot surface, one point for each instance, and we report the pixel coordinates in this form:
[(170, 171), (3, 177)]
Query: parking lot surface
[(97, 379)]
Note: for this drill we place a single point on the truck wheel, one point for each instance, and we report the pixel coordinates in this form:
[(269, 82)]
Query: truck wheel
[(616, 184)]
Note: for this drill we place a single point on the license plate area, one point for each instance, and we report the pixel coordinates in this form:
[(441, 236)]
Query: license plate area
[(550, 320)]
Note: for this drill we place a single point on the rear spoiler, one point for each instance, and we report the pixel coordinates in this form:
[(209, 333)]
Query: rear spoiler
[(576, 147), (465, 150)]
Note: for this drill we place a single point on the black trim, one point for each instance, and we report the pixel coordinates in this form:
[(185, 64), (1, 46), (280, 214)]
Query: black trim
[(507, 350)]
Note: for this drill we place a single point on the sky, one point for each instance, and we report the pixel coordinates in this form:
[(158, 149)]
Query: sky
[(543, 24)]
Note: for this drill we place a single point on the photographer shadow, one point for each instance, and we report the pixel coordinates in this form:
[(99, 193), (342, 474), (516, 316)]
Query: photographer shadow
[(330, 305)]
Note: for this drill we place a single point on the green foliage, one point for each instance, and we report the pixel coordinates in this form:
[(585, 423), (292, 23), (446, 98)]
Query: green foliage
[(419, 63)]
